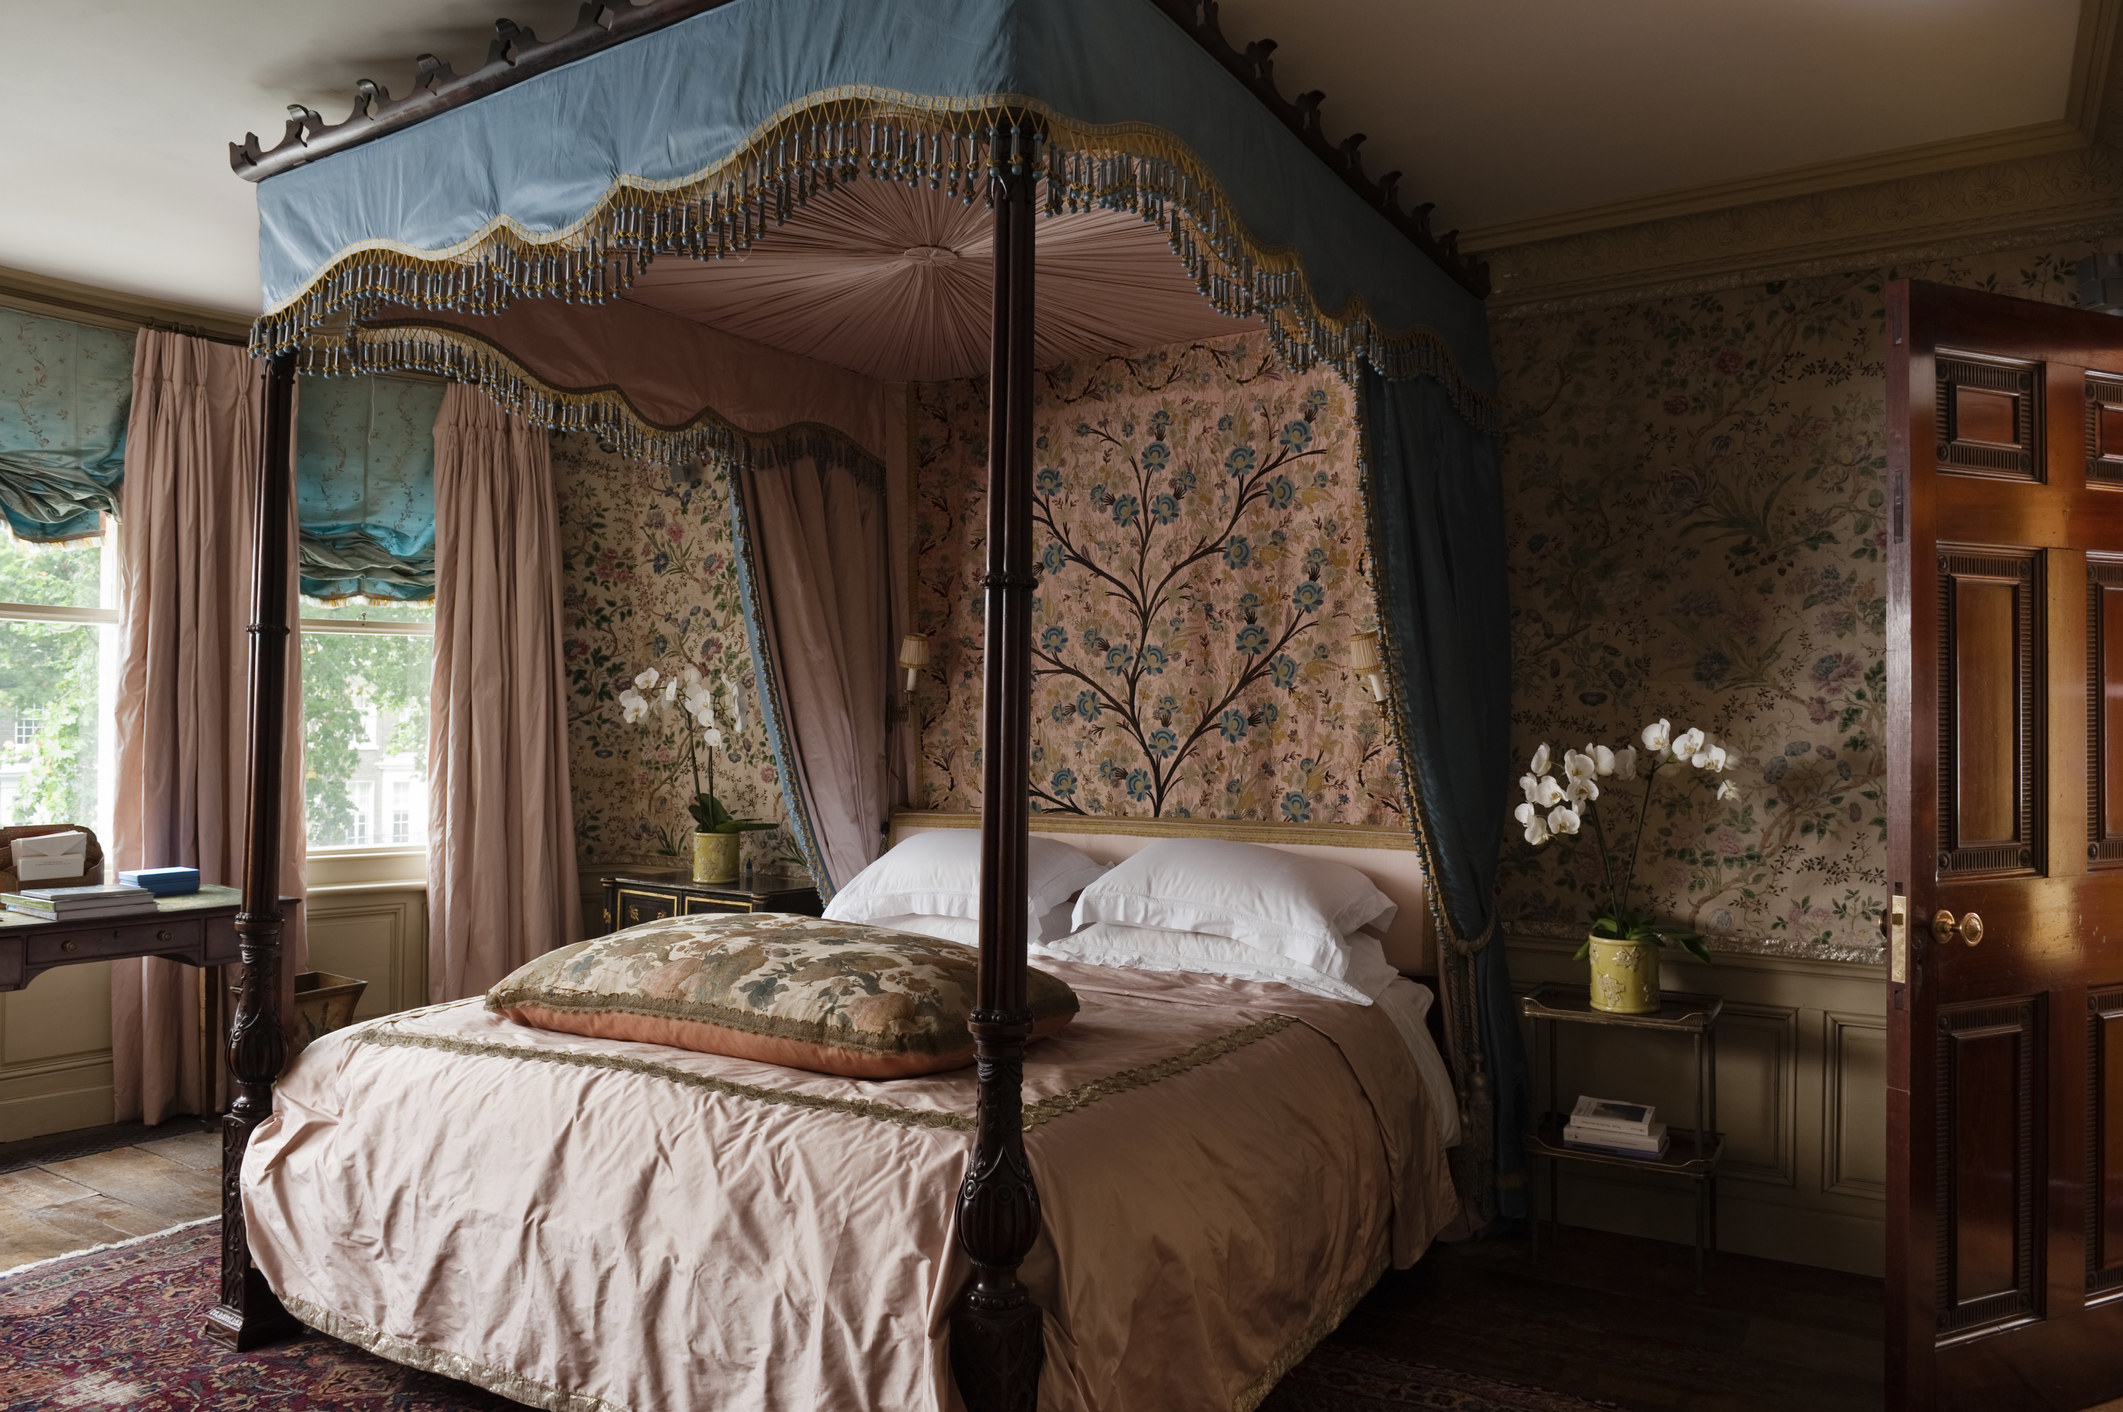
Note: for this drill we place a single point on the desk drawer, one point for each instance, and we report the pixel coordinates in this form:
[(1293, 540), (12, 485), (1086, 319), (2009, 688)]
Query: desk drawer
[(636, 907), (93, 942)]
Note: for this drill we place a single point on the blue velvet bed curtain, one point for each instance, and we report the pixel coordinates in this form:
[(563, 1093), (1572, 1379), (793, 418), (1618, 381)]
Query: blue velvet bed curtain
[(1437, 541)]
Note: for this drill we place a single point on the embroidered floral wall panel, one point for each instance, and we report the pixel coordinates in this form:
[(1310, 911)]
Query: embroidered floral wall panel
[(649, 580), (1694, 489), (1201, 531)]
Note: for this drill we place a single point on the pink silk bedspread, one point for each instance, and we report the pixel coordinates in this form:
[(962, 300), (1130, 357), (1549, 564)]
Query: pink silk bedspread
[(1225, 1168)]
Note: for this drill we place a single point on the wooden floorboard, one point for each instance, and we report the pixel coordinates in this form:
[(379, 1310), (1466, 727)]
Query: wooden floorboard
[(104, 1197), (1615, 1318)]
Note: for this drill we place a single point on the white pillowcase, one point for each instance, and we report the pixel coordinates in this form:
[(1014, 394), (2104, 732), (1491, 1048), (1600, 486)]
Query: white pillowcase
[(966, 930), (1298, 908), (1368, 972), (937, 874)]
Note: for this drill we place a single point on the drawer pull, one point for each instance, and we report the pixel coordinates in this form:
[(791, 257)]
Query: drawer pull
[(163, 935), (69, 945)]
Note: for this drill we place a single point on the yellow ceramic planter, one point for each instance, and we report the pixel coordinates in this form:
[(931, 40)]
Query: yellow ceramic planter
[(715, 857), (1625, 976)]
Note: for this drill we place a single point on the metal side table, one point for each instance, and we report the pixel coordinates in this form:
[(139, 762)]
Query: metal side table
[(1690, 1154)]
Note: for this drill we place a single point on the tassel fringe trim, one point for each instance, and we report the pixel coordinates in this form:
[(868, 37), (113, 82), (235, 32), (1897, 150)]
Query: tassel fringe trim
[(817, 146)]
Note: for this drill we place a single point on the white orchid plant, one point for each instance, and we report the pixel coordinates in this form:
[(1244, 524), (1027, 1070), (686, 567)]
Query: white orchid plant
[(689, 691), (1557, 807)]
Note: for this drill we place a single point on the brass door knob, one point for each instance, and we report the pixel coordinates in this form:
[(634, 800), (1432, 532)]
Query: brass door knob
[(1945, 929)]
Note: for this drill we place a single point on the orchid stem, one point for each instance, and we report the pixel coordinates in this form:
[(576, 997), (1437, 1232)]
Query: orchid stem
[(1606, 864), (1636, 846)]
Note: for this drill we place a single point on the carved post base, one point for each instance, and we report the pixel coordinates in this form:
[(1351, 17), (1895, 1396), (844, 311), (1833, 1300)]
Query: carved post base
[(249, 1315), (997, 1344)]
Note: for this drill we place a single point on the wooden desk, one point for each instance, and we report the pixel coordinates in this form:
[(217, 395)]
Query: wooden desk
[(198, 928)]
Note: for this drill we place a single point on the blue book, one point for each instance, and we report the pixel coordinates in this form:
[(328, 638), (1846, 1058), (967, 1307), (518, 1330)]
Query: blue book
[(163, 882)]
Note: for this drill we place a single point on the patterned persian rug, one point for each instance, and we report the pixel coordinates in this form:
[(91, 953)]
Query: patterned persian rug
[(119, 1328)]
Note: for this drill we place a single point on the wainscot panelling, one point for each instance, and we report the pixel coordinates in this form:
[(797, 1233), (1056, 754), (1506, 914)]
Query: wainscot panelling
[(376, 933), (55, 1053), (1801, 1100)]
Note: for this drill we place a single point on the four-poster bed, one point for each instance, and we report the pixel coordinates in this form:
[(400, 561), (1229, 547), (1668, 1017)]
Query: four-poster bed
[(442, 232)]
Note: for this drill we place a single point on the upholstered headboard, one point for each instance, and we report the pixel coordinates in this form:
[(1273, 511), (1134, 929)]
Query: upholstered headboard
[(1387, 856)]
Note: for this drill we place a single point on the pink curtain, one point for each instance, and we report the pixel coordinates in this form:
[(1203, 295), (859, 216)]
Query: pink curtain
[(185, 552), (820, 570), (501, 850)]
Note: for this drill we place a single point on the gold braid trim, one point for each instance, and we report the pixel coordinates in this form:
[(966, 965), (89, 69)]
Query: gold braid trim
[(1295, 1351), (514, 1386), (814, 146), (1036, 1114)]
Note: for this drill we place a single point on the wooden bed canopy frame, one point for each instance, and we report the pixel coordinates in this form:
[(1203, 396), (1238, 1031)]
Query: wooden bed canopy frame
[(996, 1348)]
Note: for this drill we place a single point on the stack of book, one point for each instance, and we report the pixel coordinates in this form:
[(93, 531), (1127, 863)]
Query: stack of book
[(80, 904), (1616, 1129)]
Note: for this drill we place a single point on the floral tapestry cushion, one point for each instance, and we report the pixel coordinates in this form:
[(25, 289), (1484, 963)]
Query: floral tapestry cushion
[(830, 997)]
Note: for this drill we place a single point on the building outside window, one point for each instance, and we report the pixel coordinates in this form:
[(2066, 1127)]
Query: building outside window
[(27, 725), (365, 674)]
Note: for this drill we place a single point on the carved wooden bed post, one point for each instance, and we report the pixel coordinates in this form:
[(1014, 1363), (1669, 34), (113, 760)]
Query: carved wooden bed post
[(249, 1313), (996, 1347)]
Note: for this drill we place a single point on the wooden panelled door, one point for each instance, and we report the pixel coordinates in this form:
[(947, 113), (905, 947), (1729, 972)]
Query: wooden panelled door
[(2005, 853)]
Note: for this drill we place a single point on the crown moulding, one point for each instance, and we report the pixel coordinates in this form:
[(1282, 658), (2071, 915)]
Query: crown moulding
[(516, 53)]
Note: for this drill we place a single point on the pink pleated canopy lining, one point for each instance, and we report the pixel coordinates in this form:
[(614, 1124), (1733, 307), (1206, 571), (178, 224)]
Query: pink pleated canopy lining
[(869, 284)]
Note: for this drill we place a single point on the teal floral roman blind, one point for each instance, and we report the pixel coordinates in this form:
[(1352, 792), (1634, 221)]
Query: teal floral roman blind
[(365, 486), (65, 391)]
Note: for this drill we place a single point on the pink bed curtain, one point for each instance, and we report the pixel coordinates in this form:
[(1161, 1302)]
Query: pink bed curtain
[(185, 552), (501, 851), (820, 573)]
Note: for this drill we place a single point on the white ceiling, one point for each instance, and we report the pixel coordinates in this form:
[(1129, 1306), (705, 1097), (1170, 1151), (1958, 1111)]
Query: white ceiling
[(117, 113)]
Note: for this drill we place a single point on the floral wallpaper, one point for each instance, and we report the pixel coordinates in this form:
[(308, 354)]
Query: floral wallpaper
[(1694, 489), (648, 579), (1201, 537)]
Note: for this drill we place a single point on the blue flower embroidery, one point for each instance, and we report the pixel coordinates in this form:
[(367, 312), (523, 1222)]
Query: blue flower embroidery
[(1138, 784), (1053, 558), (1297, 435), (1284, 672), (1054, 639), (1156, 456), (1162, 743), (1164, 509), (1295, 808), (1234, 727), (1241, 461), (1048, 481), (1154, 659), (1281, 493), (1118, 657), (1308, 597), (1125, 509), (1087, 705), (1064, 784), (1252, 639), (1238, 552)]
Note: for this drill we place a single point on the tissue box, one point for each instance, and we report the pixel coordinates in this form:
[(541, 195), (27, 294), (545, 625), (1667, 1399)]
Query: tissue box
[(163, 882)]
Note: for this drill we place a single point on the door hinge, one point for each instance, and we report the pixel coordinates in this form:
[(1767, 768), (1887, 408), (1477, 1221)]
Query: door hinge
[(1898, 940)]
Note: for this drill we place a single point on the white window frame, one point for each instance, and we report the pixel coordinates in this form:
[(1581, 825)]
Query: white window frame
[(378, 862)]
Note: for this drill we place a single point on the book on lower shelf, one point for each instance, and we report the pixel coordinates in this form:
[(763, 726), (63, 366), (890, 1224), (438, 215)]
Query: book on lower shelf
[(1612, 1115), (1648, 1146)]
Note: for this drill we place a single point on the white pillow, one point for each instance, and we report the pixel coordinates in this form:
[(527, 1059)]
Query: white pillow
[(966, 930), (937, 874), (1299, 908), (1156, 949)]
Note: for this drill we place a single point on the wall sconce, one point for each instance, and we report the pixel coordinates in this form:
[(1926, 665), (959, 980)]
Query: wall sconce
[(1364, 661), (913, 655)]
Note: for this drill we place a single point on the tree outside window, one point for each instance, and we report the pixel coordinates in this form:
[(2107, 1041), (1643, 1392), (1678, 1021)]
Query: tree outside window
[(365, 675)]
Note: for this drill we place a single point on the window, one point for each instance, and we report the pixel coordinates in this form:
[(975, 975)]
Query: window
[(365, 671), (58, 676)]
